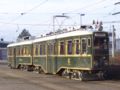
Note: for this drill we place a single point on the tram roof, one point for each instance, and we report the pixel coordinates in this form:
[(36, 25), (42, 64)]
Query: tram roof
[(63, 35), (52, 37), (20, 43)]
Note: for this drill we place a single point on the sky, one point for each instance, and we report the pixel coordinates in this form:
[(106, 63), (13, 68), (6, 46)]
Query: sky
[(37, 15)]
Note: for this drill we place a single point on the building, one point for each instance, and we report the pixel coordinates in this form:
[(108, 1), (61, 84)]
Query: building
[(3, 50)]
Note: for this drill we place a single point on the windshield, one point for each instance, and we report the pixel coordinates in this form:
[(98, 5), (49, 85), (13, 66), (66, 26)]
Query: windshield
[(100, 43)]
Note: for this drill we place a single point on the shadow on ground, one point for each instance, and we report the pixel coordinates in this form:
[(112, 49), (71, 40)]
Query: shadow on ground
[(113, 72)]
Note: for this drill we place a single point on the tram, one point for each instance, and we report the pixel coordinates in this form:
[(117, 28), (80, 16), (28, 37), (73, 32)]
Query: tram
[(75, 54)]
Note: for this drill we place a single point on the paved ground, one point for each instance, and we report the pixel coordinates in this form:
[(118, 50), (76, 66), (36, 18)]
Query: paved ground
[(11, 79)]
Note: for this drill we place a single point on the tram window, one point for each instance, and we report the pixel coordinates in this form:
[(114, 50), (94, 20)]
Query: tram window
[(17, 51), (29, 52), (50, 49), (77, 48), (44, 49), (9, 52), (40, 49), (62, 48), (8, 49), (12, 51), (101, 43), (89, 42), (69, 47), (84, 46), (36, 50), (55, 48), (26, 50), (22, 51)]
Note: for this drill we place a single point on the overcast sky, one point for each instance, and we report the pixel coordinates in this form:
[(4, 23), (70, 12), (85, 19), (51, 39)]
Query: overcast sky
[(37, 15)]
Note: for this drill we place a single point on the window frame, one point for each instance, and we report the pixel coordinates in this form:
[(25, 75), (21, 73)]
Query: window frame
[(75, 46), (89, 45), (64, 48), (83, 52), (68, 47)]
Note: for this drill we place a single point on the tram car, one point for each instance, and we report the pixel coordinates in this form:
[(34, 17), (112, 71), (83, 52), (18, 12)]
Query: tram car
[(74, 54), (20, 54)]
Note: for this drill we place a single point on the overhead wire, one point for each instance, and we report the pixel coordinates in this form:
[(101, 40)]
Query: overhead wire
[(88, 6), (37, 24), (26, 12), (23, 13), (35, 7)]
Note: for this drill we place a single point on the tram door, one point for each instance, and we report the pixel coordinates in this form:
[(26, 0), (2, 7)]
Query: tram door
[(50, 58), (14, 57)]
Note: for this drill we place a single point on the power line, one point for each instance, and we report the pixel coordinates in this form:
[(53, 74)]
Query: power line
[(36, 24), (45, 24), (111, 22), (23, 13), (88, 6), (35, 7)]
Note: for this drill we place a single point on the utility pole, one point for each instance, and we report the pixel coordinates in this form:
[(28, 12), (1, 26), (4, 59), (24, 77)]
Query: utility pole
[(113, 42), (113, 34)]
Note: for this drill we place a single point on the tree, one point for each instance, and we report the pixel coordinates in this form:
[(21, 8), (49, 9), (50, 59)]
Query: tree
[(23, 34)]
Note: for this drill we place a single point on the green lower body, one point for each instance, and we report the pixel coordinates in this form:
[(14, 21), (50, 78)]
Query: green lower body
[(53, 65)]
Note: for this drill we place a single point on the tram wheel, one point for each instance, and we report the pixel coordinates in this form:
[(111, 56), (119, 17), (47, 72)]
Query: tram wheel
[(65, 74), (79, 75), (101, 75), (40, 70)]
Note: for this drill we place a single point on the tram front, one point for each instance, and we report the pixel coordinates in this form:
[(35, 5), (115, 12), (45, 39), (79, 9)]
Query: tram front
[(100, 50)]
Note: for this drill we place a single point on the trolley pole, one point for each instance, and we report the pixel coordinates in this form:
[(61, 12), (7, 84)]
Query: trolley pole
[(58, 16)]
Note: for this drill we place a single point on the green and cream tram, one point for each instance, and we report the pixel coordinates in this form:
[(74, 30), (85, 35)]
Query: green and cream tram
[(74, 54), (20, 54)]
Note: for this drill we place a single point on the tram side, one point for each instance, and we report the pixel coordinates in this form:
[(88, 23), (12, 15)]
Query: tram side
[(20, 55), (75, 55), (64, 53)]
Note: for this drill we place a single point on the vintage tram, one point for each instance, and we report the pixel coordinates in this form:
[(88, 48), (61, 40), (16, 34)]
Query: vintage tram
[(76, 54)]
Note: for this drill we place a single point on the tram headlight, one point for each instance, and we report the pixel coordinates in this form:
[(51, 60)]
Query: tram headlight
[(105, 62), (104, 58), (95, 63)]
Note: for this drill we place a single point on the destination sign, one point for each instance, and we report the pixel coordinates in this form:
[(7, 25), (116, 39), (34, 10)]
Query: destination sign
[(100, 34)]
